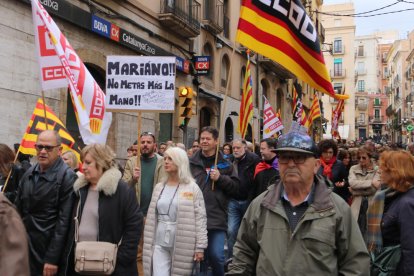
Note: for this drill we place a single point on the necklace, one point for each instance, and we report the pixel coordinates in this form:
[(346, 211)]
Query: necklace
[(172, 198)]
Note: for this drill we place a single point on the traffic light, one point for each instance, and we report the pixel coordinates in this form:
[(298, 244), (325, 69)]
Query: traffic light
[(187, 102)]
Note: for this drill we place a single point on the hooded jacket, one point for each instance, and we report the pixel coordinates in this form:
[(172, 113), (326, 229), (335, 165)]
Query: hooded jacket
[(326, 241), (225, 187), (119, 218)]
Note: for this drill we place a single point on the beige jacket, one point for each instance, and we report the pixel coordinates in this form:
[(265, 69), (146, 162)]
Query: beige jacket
[(361, 185), (129, 172), (14, 256), (191, 233)]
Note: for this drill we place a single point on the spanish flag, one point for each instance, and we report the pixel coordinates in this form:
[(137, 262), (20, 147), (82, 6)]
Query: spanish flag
[(283, 32), (38, 123)]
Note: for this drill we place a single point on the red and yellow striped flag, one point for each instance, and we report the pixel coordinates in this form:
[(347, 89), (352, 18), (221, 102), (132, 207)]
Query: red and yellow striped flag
[(38, 123), (336, 115), (246, 104), (283, 32), (315, 111)]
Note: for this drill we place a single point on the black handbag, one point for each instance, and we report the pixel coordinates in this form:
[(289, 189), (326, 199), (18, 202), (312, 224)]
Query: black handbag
[(196, 270), (385, 262)]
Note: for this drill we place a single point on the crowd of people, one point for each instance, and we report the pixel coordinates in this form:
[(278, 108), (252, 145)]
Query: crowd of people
[(285, 206)]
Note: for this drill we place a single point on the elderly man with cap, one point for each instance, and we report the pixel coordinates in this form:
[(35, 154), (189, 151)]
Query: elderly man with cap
[(298, 226)]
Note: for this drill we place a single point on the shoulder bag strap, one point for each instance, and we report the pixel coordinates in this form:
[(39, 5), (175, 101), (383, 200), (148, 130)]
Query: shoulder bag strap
[(77, 222)]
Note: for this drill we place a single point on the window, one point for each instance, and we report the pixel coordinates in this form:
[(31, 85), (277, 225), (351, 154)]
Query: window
[(362, 117), (377, 102), (361, 68), (338, 67), (337, 46), (377, 113), (207, 51), (242, 75), (385, 71), (225, 64), (361, 86), (265, 93), (361, 50)]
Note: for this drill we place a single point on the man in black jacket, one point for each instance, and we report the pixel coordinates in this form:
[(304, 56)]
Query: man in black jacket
[(244, 163), (218, 185), (267, 171), (44, 201)]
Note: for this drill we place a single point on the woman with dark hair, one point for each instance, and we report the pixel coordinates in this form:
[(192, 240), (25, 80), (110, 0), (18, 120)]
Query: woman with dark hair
[(107, 210), (390, 216), (364, 182), (332, 168), (228, 152), (7, 167)]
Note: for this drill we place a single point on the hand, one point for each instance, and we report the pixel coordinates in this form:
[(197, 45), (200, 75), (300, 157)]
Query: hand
[(198, 256), (340, 184), (137, 173), (50, 270), (376, 183), (214, 174)]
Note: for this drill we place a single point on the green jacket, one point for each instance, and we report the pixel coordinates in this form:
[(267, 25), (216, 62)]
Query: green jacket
[(327, 240), (129, 172)]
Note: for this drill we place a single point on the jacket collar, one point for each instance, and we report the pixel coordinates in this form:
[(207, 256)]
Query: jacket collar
[(50, 173), (196, 159), (321, 200), (108, 183)]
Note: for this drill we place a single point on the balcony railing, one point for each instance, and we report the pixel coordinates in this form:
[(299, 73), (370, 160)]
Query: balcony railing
[(181, 16), (214, 16), (338, 73), (376, 120)]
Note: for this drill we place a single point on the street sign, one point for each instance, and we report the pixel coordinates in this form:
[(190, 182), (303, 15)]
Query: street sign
[(410, 127)]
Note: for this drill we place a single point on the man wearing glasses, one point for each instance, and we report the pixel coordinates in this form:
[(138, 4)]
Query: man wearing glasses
[(44, 201), (298, 226)]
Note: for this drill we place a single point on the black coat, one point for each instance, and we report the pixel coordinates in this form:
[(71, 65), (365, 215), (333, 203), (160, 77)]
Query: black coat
[(264, 179), (45, 208), (397, 227), (339, 174), (225, 187), (119, 217), (245, 170)]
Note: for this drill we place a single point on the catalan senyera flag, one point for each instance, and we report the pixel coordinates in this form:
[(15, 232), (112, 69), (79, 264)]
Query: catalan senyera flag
[(271, 123), (38, 123), (61, 66), (315, 111), (283, 32), (246, 104), (336, 115)]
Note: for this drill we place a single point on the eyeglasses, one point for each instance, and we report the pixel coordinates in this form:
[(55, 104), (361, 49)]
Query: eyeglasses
[(297, 159), (47, 148), (362, 157)]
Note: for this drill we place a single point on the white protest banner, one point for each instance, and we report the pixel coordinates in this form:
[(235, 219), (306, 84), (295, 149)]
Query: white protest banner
[(140, 83), (271, 122)]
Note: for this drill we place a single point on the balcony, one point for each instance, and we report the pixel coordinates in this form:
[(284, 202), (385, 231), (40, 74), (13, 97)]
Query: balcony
[(214, 16), (361, 72), (389, 111), (181, 16), (275, 67), (338, 74), (377, 120)]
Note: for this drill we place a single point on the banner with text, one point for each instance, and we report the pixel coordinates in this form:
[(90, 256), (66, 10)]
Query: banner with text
[(140, 83)]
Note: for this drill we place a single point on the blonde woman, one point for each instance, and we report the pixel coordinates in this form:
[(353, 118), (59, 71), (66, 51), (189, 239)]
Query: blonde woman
[(69, 157), (175, 232)]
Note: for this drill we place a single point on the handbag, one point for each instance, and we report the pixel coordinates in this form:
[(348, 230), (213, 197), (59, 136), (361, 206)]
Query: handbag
[(385, 262), (94, 257), (196, 270)]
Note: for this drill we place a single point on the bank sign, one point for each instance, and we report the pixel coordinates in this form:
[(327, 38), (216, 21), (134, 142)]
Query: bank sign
[(105, 28), (202, 65)]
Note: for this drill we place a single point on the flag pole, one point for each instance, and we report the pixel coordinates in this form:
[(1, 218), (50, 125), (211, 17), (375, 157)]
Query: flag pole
[(223, 112), (9, 174), (44, 108), (138, 164)]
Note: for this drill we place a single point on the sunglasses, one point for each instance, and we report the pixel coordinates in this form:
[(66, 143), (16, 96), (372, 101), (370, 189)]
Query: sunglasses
[(47, 148), (297, 159), (362, 157)]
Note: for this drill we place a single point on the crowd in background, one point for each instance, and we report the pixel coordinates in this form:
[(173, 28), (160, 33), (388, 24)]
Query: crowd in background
[(177, 206)]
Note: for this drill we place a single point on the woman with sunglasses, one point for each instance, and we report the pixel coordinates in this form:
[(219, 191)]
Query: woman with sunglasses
[(175, 232), (364, 182)]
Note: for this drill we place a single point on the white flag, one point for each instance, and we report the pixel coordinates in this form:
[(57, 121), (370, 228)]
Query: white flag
[(271, 123), (60, 66)]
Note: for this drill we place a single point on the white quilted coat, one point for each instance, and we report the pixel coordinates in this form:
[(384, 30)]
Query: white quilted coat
[(191, 234)]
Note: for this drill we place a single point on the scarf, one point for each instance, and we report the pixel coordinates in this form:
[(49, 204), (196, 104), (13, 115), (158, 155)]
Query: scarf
[(264, 166), (327, 167), (374, 218)]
